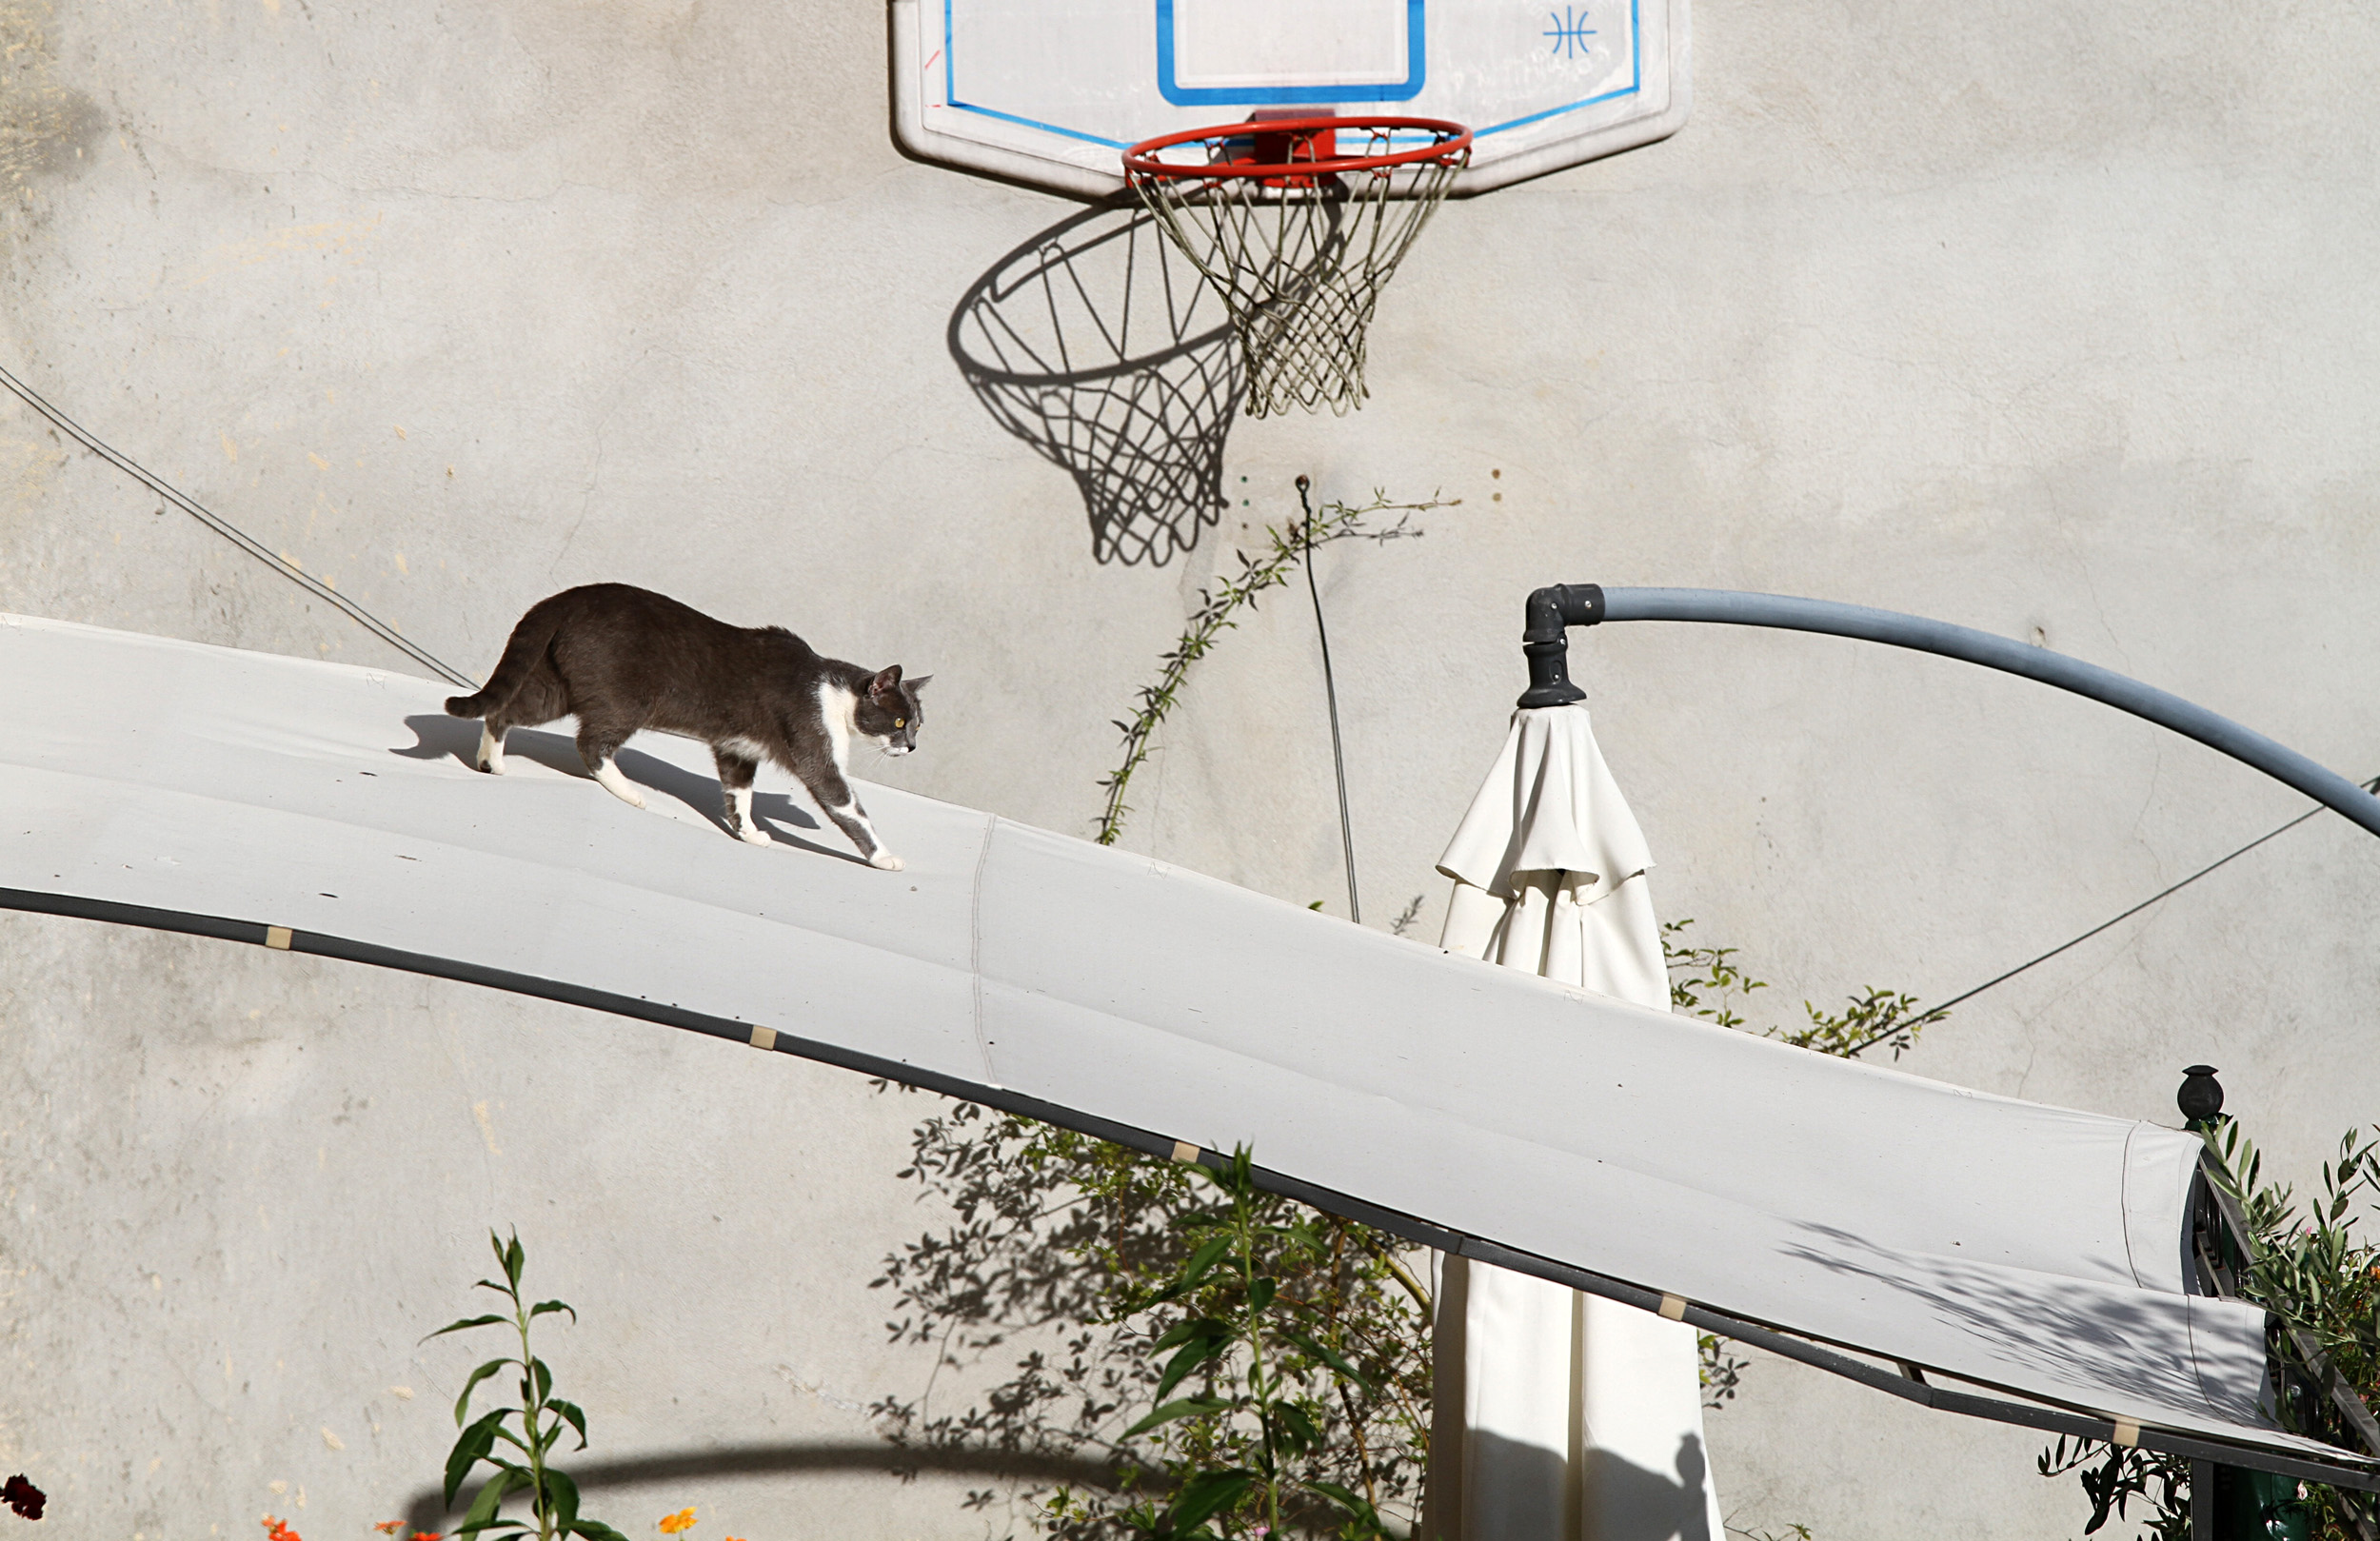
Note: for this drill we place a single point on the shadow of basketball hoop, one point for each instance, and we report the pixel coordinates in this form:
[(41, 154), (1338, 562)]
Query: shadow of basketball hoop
[(1098, 344)]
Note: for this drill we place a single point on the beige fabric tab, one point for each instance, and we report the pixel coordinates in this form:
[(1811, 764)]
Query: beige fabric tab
[(764, 1037), (277, 937), (2127, 1432), (1673, 1307), (1185, 1151)]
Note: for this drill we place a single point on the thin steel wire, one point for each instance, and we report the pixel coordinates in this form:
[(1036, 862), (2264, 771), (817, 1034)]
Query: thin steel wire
[(2372, 786), (231, 532)]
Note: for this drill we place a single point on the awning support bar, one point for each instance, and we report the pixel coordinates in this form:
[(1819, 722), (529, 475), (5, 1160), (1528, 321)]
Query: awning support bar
[(1553, 609)]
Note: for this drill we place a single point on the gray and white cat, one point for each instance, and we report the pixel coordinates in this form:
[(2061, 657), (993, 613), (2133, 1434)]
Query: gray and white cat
[(624, 659)]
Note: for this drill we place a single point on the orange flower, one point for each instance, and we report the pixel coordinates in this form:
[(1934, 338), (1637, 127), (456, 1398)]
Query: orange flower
[(390, 1527), (670, 1525), (276, 1530)]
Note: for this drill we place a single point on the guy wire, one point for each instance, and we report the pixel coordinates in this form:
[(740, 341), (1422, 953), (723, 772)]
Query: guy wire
[(238, 537), (2372, 786)]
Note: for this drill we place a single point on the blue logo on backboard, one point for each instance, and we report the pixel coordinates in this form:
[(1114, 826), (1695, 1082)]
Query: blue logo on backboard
[(1169, 84), (1568, 33)]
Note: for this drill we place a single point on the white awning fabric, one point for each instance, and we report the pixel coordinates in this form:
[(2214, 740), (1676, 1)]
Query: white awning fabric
[(2029, 1249)]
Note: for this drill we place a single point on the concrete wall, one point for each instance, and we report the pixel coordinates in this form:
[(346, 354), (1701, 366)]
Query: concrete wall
[(2053, 321)]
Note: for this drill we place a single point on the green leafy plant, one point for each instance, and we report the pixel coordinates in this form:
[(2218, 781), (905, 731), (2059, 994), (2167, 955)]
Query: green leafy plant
[(1264, 1366), (1217, 611), (2315, 1272), (1066, 1242), (1707, 982), (2113, 1475), (532, 1428)]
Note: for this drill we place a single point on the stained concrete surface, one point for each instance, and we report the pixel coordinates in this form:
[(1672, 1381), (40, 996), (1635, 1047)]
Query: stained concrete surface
[(2054, 322)]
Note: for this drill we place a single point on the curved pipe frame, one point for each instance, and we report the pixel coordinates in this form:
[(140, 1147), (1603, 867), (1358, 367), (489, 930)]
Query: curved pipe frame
[(1545, 643), (1554, 609)]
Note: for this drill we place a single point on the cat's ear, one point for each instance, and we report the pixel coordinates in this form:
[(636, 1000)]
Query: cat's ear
[(921, 683), (886, 684)]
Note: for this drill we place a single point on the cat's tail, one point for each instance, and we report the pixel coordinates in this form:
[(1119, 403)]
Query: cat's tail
[(528, 644)]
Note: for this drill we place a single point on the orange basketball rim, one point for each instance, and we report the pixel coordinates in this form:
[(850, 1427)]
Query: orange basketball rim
[(1298, 222)]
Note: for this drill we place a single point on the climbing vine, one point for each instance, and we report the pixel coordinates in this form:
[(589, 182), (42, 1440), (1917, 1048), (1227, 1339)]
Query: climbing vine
[(1217, 611)]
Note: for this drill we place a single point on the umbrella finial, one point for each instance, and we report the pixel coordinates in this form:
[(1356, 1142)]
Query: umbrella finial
[(2201, 1096)]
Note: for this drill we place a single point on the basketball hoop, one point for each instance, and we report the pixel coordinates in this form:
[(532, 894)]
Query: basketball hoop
[(1298, 233)]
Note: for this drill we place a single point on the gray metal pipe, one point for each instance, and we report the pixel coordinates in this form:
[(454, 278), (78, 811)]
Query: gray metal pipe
[(1584, 604)]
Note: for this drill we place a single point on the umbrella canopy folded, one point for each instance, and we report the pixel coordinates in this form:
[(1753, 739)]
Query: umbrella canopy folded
[(1577, 1418), (2024, 1247)]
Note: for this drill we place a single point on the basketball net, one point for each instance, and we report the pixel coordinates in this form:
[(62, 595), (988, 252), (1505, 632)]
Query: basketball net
[(1297, 228)]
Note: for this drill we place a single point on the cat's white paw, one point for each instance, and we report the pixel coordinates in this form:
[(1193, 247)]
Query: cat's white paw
[(491, 753), (608, 776), (884, 862), (754, 835)]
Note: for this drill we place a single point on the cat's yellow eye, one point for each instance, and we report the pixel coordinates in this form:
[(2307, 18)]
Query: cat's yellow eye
[(901, 722)]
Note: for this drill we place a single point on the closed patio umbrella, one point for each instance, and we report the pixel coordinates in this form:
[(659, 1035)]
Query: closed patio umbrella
[(1560, 1416)]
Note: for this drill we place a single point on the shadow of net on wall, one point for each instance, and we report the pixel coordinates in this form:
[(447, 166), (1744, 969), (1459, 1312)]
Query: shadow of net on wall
[(1098, 343)]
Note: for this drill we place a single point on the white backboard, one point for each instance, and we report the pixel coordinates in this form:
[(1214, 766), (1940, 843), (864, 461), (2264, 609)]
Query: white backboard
[(1051, 91)]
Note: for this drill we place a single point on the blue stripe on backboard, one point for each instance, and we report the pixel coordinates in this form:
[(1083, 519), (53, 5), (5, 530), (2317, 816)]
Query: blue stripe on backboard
[(950, 95), (1636, 84), (1318, 96), (1051, 127), (1416, 74)]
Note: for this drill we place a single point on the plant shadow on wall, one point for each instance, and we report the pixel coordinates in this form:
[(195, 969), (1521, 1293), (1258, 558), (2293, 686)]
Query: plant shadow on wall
[(1098, 344)]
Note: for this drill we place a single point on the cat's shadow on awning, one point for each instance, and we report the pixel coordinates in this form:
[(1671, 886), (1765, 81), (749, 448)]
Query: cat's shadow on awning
[(457, 739)]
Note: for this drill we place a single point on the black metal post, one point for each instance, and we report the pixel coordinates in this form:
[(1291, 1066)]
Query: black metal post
[(2201, 1101), (1330, 689)]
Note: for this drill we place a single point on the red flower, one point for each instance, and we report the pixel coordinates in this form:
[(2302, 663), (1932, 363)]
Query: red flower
[(277, 1530), (23, 1496)]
